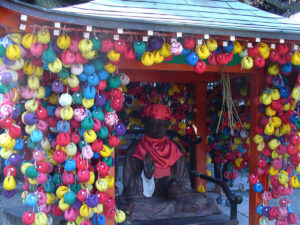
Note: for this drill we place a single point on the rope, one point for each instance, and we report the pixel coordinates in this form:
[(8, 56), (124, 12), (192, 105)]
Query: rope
[(227, 102)]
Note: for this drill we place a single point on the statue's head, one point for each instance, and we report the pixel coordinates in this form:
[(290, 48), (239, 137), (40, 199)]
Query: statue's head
[(156, 119)]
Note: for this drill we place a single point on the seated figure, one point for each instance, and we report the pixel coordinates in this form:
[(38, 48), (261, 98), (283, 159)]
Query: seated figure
[(155, 176)]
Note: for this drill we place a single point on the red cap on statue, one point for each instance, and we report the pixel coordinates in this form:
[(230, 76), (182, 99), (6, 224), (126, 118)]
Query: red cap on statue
[(158, 111)]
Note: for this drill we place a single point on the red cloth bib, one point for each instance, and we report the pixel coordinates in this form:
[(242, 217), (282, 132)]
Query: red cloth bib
[(163, 151)]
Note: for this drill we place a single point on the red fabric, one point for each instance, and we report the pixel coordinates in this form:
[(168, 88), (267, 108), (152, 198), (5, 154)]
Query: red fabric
[(163, 151), (158, 111)]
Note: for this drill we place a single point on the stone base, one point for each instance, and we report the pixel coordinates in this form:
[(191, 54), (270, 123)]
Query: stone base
[(190, 205)]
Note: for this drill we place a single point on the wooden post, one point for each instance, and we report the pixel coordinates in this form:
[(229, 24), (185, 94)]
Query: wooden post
[(256, 83), (200, 154)]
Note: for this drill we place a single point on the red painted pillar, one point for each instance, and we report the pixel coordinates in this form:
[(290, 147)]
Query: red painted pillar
[(200, 153), (256, 83)]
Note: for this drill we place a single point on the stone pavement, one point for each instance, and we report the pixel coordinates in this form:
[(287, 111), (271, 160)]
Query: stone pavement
[(243, 208)]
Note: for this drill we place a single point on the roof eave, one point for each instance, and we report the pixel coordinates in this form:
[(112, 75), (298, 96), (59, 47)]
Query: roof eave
[(66, 17)]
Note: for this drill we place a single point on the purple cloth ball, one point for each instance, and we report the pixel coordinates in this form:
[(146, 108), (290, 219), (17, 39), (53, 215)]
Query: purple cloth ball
[(77, 204), (113, 162), (92, 201), (277, 81), (15, 112), (297, 106), (6, 77), (9, 194), (120, 129), (155, 43), (266, 211), (283, 164), (100, 100), (15, 160), (55, 48), (267, 137), (84, 85), (30, 119), (236, 133), (262, 108), (7, 61), (57, 86)]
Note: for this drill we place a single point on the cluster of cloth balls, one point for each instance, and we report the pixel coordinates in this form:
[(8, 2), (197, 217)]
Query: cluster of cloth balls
[(277, 139), (230, 150), (210, 51), (61, 125)]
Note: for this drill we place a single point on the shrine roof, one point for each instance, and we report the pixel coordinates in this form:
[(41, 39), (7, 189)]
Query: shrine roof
[(215, 17)]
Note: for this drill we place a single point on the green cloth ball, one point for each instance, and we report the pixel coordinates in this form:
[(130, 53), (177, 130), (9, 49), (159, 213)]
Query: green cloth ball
[(48, 55), (49, 186), (64, 73), (69, 197), (96, 43), (4, 88), (99, 65), (82, 143), (210, 140), (77, 98), (102, 133), (189, 116), (31, 172), (75, 187), (98, 114), (108, 160), (297, 123), (107, 107), (44, 103), (2, 51), (113, 82), (247, 168), (31, 145), (139, 47), (21, 107), (230, 167), (87, 123), (57, 178)]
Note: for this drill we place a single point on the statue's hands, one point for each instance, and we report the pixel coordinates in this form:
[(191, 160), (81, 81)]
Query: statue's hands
[(173, 190), (149, 166)]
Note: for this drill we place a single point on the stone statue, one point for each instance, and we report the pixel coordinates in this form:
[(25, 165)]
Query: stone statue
[(155, 176)]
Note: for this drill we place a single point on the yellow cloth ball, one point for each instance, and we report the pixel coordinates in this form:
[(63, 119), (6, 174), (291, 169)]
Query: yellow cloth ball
[(63, 41), (101, 185), (43, 36), (85, 211), (120, 216), (165, 50), (28, 39), (158, 58), (203, 52), (212, 44), (13, 52), (9, 183), (110, 68), (147, 58), (247, 63)]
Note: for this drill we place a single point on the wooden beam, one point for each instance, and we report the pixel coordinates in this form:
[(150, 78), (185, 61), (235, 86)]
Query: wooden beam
[(201, 149), (137, 75), (137, 65), (256, 84)]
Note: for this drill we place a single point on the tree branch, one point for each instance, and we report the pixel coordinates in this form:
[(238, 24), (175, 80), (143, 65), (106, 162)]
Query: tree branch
[(289, 9)]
